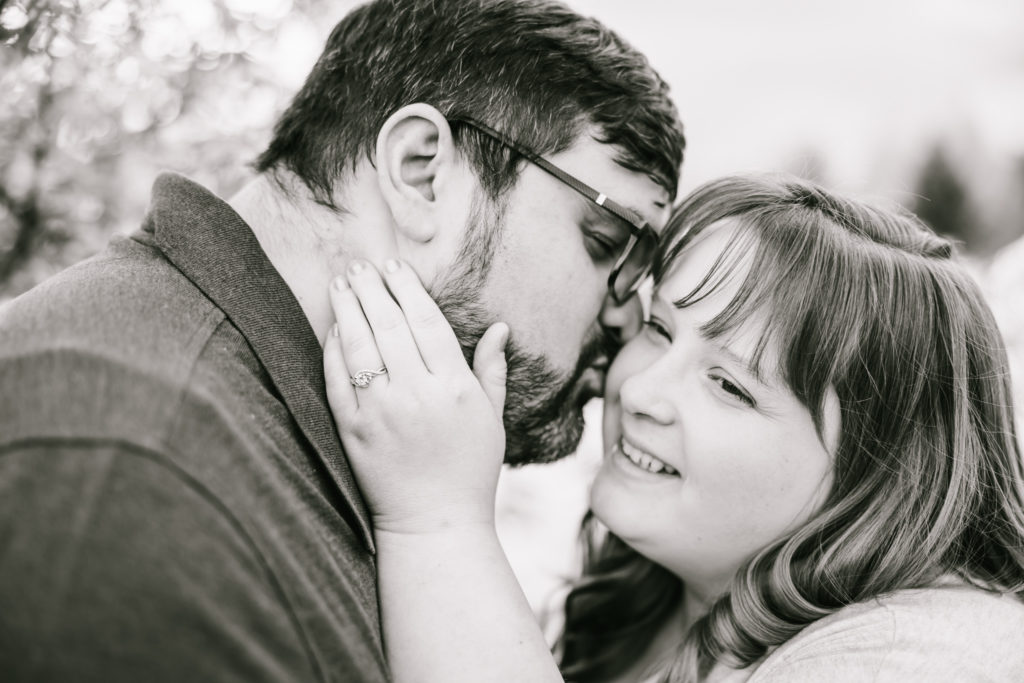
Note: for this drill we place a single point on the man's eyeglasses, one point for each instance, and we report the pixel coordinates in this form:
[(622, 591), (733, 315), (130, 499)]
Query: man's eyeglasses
[(634, 263)]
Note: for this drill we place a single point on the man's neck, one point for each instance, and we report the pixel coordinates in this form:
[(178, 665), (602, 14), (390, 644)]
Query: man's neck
[(308, 244)]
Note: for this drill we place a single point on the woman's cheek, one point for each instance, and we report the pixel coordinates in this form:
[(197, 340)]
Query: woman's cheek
[(618, 372)]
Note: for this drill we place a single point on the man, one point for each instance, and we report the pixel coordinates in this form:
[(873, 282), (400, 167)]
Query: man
[(175, 503)]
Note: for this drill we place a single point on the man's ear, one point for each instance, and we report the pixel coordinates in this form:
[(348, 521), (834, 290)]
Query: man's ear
[(415, 152)]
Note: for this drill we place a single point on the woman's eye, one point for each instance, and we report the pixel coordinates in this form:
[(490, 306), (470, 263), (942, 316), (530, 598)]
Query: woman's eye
[(733, 390), (654, 326)]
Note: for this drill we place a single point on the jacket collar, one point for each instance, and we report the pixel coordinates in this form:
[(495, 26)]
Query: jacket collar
[(215, 249)]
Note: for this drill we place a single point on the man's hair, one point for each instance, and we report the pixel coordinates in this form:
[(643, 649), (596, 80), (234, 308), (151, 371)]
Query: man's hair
[(533, 69)]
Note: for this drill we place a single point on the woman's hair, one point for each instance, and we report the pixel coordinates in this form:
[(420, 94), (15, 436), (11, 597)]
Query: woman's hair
[(927, 474)]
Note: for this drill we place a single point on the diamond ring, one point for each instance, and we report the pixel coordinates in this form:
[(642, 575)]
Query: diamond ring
[(363, 378)]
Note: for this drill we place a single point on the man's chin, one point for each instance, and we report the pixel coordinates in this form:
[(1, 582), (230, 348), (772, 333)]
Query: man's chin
[(553, 427), (552, 441)]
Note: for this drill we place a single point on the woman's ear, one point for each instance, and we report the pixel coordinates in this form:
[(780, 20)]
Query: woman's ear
[(415, 152)]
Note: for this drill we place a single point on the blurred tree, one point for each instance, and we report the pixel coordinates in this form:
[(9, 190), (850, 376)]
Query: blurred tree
[(1014, 217), (943, 201), (101, 94)]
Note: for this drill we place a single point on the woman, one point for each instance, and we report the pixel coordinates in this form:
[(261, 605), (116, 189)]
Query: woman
[(810, 467)]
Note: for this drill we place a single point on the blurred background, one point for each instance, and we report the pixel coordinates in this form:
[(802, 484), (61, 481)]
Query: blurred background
[(915, 101)]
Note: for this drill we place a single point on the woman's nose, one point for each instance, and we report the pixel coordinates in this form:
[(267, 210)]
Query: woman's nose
[(645, 392)]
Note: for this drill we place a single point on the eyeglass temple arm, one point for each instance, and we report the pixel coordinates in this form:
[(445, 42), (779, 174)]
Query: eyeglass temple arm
[(587, 191)]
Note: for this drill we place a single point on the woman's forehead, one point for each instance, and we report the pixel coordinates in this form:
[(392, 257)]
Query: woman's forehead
[(696, 261), (708, 277)]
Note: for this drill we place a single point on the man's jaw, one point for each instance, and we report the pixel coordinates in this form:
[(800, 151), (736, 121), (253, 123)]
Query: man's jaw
[(544, 411)]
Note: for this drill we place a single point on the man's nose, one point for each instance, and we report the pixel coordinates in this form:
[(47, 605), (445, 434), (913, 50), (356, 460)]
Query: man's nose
[(621, 322)]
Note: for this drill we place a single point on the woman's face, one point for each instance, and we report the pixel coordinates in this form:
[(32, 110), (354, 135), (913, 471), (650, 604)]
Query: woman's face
[(705, 463)]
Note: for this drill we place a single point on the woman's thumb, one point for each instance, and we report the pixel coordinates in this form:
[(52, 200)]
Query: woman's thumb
[(489, 364)]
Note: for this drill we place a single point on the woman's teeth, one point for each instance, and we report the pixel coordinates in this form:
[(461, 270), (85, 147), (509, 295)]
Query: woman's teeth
[(645, 461)]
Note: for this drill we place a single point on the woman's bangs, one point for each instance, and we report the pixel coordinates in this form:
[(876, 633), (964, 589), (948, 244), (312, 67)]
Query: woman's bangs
[(799, 296), (782, 293)]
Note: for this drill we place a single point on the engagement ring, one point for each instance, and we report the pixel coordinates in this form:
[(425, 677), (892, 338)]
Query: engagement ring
[(363, 378)]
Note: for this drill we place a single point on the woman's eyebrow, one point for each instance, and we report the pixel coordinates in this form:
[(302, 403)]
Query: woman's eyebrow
[(736, 357), (748, 364)]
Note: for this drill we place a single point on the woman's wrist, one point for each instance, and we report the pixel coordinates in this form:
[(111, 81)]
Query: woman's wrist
[(426, 548), (438, 524)]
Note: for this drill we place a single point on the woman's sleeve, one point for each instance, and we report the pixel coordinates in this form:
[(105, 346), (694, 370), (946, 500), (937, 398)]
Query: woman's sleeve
[(937, 635)]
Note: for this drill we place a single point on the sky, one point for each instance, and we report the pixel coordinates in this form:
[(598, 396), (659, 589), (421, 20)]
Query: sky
[(865, 85), (860, 88)]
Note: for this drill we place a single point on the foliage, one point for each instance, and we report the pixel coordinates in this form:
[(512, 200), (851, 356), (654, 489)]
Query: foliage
[(943, 200), (101, 94)]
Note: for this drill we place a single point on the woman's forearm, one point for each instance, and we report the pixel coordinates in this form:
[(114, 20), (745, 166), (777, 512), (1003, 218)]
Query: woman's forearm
[(452, 610)]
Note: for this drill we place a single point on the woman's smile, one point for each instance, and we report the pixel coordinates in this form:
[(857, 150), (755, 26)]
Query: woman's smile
[(636, 461)]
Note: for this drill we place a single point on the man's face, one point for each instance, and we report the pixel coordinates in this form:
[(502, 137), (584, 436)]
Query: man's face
[(548, 281)]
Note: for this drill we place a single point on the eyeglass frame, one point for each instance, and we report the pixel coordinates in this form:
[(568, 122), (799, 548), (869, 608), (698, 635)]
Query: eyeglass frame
[(638, 228)]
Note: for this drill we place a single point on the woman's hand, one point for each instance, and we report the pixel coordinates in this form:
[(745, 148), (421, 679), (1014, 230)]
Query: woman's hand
[(425, 439), (426, 442)]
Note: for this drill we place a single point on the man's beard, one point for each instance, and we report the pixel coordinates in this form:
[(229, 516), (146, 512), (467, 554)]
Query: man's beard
[(543, 407)]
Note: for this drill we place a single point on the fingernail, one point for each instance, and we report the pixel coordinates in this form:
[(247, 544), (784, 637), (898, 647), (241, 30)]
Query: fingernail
[(334, 330), (340, 283), (356, 267), (504, 338), (391, 265)]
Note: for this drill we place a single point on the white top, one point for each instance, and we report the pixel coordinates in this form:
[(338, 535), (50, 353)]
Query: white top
[(949, 633)]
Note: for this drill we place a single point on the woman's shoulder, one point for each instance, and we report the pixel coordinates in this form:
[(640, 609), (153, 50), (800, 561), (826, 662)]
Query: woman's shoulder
[(951, 632)]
